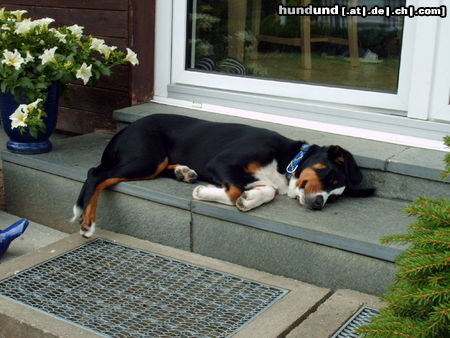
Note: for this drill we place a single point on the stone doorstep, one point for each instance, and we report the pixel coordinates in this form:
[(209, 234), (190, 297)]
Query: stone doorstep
[(22, 321), (404, 160), (334, 313), (72, 158)]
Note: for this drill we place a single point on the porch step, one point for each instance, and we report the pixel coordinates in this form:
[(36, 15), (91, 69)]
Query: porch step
[(335, 248), (398, 172), (304, 310), (35, 237)]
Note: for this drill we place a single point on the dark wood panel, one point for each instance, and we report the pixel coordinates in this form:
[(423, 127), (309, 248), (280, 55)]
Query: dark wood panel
[(102, 101), (118, 81), (142, 41), (119, 5), (82, 122), (96, 22)]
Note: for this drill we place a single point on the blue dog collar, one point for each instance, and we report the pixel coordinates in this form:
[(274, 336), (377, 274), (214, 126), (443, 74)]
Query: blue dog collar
[(293, 165)]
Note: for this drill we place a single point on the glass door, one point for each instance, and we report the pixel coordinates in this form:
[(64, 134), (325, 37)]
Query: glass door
[(263, 40)]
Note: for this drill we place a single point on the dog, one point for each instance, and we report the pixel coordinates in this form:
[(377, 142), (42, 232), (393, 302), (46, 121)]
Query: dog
[(247, 166)]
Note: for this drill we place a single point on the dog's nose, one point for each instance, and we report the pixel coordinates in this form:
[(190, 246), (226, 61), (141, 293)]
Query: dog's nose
[(318, 203)]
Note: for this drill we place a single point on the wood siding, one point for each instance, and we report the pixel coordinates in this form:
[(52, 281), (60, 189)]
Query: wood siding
[(122, 23)]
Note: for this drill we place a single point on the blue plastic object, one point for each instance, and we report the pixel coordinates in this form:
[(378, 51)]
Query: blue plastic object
[(11, 233)]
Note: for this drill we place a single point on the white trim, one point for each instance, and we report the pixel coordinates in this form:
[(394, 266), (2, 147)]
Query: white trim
[(163, 49), (422, 55), (308, 124), (440, 105)]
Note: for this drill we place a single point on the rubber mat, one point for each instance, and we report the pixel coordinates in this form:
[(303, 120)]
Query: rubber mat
[(119, 291)]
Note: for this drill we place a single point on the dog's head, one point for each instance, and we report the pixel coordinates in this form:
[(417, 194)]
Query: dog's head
[(325, 175)]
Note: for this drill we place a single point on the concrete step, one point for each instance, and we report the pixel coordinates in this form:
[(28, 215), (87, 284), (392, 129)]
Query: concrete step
[(304, 311), (336, 248), (397, 171), (35, 237), (20, 320)]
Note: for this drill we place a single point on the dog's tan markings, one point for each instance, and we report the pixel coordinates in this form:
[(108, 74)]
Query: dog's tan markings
[(252, 167), (172, 166), (319, 166), (233, 193), (90, 212), (310, 181)]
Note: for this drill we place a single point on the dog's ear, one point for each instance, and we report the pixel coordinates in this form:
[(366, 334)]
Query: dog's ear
[(342, 157)]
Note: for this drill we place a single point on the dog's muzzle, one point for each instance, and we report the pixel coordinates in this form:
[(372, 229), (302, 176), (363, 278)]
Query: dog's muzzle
[(313, 201)]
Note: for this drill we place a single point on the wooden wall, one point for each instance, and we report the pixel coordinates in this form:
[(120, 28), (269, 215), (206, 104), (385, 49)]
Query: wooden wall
[(122, 23)]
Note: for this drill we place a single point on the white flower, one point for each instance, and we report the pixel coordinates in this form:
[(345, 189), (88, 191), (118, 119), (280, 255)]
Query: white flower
[(23, 27), (43, 23), (48, 55), (33, 105), (18, 14), (131, 57), (76, 30), (97, 44), (19, 117), (29, 57), (84, 73), (5, 27), (61, 37), (107, 50), (12, 58)]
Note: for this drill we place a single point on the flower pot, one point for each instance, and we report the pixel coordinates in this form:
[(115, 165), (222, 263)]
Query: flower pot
[(24, 143)]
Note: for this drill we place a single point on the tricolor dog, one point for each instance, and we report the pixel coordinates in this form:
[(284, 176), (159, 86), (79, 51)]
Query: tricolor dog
[(246, 166)]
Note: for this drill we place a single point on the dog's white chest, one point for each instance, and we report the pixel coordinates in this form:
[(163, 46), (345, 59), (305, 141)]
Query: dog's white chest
[(269, 175)]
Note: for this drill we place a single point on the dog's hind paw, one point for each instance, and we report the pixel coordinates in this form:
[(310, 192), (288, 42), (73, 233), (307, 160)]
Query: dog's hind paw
[(87, 232)]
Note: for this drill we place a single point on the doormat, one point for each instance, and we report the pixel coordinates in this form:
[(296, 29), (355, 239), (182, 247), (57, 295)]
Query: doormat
[(115, 290), (361, 317)]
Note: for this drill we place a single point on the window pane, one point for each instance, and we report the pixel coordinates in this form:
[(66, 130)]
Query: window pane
[(249, 38)]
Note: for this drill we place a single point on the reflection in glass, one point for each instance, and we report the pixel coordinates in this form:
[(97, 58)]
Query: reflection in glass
[(249, 38)]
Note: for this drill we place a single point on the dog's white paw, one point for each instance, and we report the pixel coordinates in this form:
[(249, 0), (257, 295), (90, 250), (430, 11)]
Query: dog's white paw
[(88, 233), (245, 202), (197, 192), (185, 174)]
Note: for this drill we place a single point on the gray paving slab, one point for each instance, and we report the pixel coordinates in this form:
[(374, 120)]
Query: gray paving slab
[(334, 313), (4, 138), (418, 162), (288, 256), (35, 237), (277, 320)]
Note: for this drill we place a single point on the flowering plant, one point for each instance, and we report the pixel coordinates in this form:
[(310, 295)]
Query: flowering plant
[(33, 56)]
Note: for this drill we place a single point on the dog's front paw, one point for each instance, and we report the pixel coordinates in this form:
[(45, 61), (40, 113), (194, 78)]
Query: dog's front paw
[(244, 202), (197, 192)]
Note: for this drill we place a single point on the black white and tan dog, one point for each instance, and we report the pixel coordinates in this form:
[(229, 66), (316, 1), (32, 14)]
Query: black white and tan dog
[(247, 166)]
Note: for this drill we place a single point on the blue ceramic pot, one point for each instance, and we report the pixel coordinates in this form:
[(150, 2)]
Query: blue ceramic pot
[(25, 143)]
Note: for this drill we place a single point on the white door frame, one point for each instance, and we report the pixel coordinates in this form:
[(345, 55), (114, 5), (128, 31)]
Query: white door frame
[(415, 78), (440, 98)]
